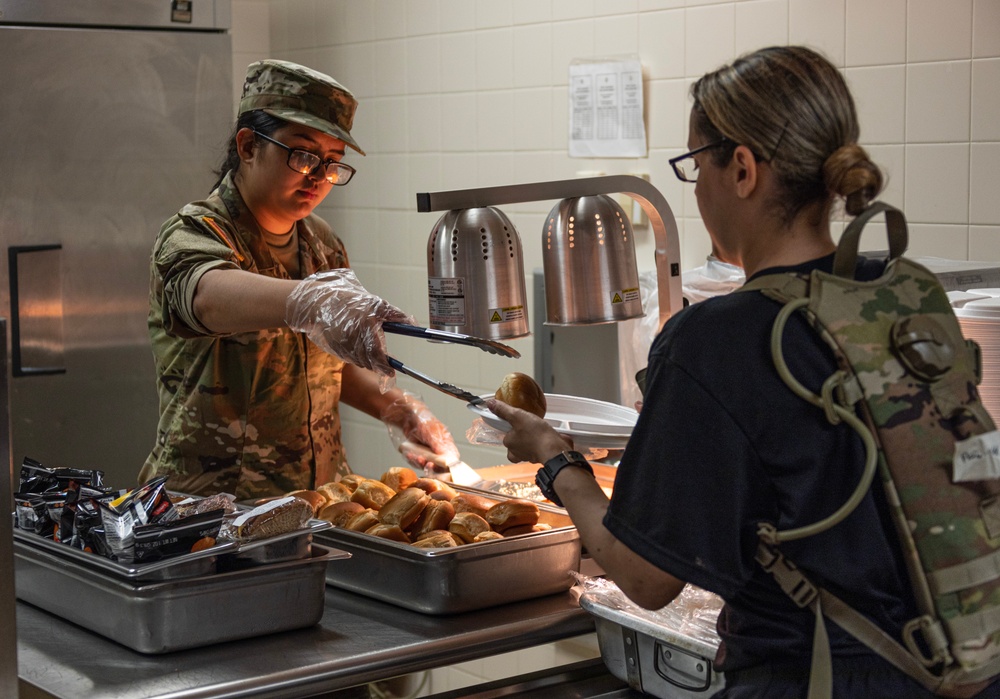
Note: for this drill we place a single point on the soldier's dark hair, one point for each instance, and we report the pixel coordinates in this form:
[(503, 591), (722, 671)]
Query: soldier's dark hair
[(792, 108), (258, 120)]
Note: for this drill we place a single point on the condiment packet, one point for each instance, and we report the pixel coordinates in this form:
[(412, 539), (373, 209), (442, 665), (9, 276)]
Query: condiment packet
[(153, 542), (146, 504)]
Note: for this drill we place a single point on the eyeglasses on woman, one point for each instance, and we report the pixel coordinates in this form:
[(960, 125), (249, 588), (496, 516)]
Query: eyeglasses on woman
[(306, 163)]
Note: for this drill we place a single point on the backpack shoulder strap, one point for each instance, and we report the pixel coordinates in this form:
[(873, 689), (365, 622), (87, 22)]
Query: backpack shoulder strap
[(824, 603), (780, 287), (845, 260)]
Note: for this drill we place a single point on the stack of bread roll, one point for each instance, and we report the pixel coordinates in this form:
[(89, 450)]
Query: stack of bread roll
[(424, 512)]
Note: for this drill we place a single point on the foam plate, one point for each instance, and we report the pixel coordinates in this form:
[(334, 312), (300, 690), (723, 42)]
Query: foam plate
[(588, 422)]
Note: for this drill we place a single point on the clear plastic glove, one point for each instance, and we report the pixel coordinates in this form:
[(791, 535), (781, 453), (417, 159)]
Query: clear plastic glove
[(414, 431), (343, 318)]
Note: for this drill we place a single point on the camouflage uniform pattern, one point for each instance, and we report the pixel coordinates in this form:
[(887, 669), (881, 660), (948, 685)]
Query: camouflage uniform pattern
[(301, 95), (253, 414), (918, 405)]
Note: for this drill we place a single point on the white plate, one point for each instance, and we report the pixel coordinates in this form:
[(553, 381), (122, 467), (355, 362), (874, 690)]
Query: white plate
[(586, 421)]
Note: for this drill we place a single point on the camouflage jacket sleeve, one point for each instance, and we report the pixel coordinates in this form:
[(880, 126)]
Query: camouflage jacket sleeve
[(187, 248)]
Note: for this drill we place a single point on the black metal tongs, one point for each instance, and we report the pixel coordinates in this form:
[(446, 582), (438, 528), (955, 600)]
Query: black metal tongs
[(491, 346)]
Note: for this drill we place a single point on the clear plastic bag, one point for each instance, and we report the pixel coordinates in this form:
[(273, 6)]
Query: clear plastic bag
[(693, 613)]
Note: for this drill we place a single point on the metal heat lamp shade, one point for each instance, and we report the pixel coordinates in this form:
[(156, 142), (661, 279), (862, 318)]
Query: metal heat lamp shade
[(588, 254), (475, 275), (661, 218)]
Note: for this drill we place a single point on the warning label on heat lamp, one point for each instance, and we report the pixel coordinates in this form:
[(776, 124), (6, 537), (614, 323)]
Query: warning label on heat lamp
[(625, 295), (503, 315), (446, 296)]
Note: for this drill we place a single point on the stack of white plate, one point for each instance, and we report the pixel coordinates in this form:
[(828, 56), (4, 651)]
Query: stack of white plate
[(980, 321)]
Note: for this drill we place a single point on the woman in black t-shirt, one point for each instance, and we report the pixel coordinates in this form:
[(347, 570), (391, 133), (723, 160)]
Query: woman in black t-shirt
[(722, 444)]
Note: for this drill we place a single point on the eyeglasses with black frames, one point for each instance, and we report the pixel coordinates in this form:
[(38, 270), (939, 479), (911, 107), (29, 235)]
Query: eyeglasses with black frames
[(306, 163), (689, 173)]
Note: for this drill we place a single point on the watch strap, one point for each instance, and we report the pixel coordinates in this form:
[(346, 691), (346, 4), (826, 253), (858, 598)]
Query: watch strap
[(546, 475)]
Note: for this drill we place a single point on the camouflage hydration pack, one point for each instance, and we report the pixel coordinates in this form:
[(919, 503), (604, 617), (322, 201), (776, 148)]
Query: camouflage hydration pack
[(907, 384)]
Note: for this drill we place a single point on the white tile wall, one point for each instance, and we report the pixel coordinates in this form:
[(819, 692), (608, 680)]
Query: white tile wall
[(461, 93)]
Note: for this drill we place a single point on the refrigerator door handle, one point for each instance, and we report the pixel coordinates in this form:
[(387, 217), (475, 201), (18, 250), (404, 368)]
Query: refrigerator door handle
[(36, 310)]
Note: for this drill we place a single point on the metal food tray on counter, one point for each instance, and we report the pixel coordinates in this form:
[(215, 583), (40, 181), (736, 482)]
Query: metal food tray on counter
[(178, 614), (223, 556), (461, 578), (661, 661)]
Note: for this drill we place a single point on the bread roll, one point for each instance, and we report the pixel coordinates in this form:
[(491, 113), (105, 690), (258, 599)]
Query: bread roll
[(389, 531), (522, 391), (351, 481), (315, 499), (366, 519), (335, 491), (433, 485), (372, 493), (436, 539), (436, 515), (467, 525), (337, 513), (399, 477), (470, 502), (512, 513), (446, 495), (527, 529), (403, 508), (486, 536)]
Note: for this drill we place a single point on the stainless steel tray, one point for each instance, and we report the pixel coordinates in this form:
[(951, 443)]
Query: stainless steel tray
[(224, 556), (175, 615), (289, 546), (463, 578), (186, 566), (651, 658)]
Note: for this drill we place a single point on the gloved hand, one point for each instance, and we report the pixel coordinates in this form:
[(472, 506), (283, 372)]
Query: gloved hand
[(421, 438), (343, 318)]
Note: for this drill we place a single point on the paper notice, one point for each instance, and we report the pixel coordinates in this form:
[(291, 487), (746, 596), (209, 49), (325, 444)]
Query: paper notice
[(605, 110), (977, 458)]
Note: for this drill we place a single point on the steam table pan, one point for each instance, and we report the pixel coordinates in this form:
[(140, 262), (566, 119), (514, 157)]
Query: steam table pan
[(224, 556), (462, 578), (179, 614)]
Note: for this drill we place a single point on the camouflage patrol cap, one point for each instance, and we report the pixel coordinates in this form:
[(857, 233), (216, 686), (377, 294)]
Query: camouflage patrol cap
[(300, 95)]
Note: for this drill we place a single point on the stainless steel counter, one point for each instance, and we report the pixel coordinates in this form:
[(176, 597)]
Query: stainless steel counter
[(358, 640)]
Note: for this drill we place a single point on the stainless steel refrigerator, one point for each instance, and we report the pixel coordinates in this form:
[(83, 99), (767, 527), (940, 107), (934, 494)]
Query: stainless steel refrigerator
[(114, 114)]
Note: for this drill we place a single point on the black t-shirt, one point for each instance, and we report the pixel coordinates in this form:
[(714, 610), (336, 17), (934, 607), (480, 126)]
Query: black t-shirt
[(723, 444)]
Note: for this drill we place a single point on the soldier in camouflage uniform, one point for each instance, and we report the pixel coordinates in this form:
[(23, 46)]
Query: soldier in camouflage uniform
[(248, 405)]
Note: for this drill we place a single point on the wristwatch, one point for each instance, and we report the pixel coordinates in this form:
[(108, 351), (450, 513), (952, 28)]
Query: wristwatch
[(546, 476)]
